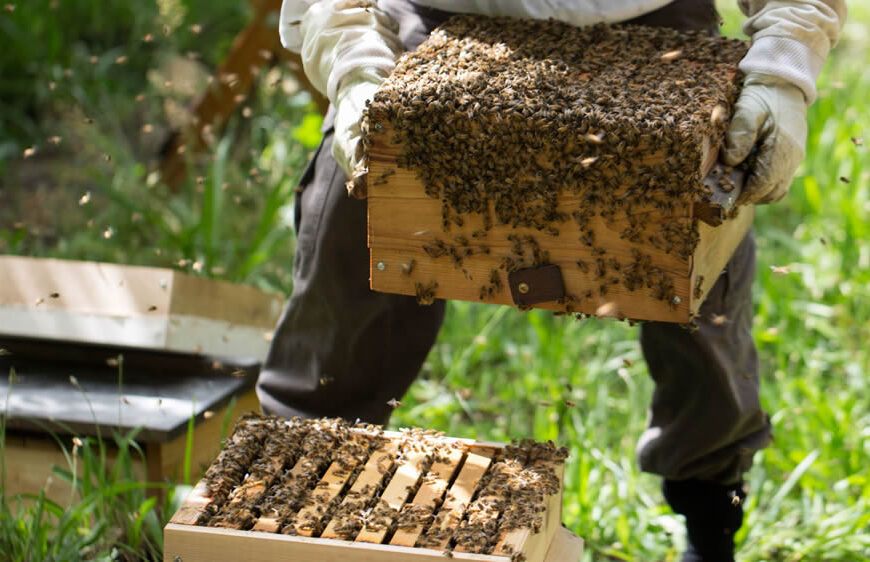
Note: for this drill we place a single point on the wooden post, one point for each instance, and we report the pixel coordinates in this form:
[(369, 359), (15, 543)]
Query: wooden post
[(253, 47)]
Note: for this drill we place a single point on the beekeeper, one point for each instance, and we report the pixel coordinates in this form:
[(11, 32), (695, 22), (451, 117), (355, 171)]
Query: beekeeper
[(343, 350)]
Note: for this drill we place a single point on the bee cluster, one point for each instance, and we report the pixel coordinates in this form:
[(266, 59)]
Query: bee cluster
[(538, 125), (279, 476)]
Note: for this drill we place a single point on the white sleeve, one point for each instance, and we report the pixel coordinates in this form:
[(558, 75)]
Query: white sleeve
[(290, 23), (791, 38), (336, 37)]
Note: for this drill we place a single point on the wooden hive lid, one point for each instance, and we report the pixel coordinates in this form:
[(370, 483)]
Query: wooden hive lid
[(138, 307)]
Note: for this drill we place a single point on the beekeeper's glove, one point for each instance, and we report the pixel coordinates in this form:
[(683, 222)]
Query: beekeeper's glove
[(790, 42), (770, 113)]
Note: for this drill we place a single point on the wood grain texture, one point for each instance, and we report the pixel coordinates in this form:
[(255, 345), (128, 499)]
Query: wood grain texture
[(308, 520), (369, 480), (208, 544), (566, 547), (408, 473), (192, 542), (162, 303), (297, 473), (484, 511), (533, 545), (194, 505), (402, 219), (716, 248), (460, 494), (430, 493)]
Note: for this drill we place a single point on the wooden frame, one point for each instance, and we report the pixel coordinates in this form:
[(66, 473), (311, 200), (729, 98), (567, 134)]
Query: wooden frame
[(449, 485), (502, 164), (140, 307), (402, 219), (207, 544)]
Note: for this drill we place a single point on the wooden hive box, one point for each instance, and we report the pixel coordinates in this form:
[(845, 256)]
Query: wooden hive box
[(138, 307), (327, 491), (541, 165)]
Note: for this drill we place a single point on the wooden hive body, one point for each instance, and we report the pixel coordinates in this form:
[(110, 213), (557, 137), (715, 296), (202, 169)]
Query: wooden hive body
[(139, 307), (494, 148), (309, 499)]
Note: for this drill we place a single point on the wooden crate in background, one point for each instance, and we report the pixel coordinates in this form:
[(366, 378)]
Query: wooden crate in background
[(138, 307)]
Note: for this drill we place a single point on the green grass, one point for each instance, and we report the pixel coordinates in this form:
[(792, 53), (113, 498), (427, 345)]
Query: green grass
[(492, 368)]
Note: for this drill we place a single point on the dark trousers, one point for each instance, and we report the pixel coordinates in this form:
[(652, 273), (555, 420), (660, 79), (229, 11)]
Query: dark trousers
[(342, 350)]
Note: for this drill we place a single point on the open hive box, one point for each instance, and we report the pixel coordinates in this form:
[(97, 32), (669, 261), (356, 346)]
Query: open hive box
[(541, 165), (329, 491)]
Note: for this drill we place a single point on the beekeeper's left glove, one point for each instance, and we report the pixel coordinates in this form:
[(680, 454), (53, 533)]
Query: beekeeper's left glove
[(790, 42), (770, 114)]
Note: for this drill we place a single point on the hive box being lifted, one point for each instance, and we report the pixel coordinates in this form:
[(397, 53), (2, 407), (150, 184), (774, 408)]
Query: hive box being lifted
[(139, 307), (539, 164), (328, 491)]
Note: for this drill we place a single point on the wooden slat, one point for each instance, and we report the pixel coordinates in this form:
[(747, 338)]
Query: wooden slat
[(430, 493), (368, 482), (195, 543), (277, 452), (715, 249), (209, 544), (458, 498), (194, 506), (485, 510), (309, 518), (566, 547), (533, 545), (301, 472), (408, 473), (273, 524)]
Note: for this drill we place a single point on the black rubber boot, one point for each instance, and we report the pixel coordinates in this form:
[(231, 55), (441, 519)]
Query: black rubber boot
[(714, 513)]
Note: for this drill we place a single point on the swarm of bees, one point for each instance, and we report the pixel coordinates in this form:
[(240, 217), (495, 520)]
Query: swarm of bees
[(501, 119), (274, 470)]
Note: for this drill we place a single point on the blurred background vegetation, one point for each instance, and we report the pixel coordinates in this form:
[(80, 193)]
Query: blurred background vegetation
[(89, 92)]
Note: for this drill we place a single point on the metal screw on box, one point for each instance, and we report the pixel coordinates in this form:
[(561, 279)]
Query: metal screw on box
[(677, 300), (177, 559), (381, 266), (523, 288)]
